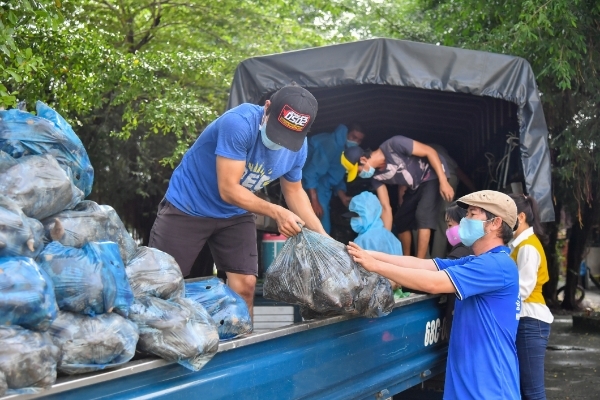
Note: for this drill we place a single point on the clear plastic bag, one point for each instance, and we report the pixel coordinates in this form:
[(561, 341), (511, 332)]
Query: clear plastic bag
[(37, 184), (175, 330), (90, 222), (27, 360), (20, 236), (26, 294), (227, 308), (152, 272), (90, 280), (22, 134), (93, 343), (317, 273)]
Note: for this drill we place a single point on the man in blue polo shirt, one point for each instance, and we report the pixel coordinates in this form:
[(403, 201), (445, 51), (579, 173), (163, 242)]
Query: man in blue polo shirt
[(482, 357), (211, 198)]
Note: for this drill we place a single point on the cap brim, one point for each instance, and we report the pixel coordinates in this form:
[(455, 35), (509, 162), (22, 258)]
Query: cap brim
[(284, 137), (350, 214), (352, 169), (462, 204)]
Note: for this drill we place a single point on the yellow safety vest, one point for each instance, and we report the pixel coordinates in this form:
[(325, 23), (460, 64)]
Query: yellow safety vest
[(536, 295)]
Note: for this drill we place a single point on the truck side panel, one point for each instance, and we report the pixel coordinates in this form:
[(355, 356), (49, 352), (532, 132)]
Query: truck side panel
[(353, 358)]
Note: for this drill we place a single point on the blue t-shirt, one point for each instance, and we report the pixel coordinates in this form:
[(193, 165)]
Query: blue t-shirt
[(482, 356), (193, 188)]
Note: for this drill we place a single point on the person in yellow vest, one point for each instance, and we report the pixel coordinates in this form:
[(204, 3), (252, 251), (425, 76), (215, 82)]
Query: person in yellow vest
[(534, 324)]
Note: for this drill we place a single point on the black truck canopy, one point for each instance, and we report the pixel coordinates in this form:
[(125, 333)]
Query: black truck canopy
[(468, 101)]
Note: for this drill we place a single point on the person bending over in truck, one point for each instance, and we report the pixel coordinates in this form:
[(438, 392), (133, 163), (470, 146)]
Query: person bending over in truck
[(323, 175), (482, 356), (210, 196), (414, 165)]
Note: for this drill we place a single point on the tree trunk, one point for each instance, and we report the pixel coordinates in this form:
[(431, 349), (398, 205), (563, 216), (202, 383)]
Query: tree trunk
[(549, 288)]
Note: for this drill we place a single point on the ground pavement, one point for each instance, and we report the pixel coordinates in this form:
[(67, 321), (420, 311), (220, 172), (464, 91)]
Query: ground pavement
[(573, 358)]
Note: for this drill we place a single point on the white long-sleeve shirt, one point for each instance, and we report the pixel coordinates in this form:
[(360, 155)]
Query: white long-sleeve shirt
[(528, 262)]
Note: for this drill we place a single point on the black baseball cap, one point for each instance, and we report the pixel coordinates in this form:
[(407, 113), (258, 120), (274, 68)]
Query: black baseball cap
[(293, 110), (350, 158)]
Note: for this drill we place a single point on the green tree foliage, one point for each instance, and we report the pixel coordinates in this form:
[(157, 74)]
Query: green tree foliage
[(140, 79), (17, 60)]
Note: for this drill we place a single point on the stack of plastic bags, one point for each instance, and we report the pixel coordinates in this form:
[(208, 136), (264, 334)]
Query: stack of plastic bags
[(44, 173), (317, 273), (171, 326)]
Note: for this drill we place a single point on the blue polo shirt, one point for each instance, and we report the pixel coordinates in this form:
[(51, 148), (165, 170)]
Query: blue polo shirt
[(193, 188), (482, 356)]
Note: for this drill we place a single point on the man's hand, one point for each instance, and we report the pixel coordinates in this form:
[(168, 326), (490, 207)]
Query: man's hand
[(287, 222), (361, 257), (446, 191), (316, 206), (344, 198)]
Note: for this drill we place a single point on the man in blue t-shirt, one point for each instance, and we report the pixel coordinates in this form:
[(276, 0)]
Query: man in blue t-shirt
[(482, 356), (211, 198)]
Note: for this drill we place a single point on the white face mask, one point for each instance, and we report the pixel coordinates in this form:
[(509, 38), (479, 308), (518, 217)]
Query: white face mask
[(366, 174), (269, 144)]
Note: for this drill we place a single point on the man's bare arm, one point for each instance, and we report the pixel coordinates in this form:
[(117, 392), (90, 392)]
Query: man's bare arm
[(229, 174), (298, 202)]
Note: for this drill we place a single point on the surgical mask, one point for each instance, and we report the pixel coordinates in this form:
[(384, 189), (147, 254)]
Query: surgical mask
[(367, 174), (351, 143), (452, 235), (470, 230), (269, 144)]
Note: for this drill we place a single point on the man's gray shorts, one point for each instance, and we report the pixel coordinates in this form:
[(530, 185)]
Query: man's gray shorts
[(232, 241)]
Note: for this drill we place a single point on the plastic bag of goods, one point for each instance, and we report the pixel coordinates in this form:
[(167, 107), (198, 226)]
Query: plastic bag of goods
[(26, 294), (19, 234), (90, 222), (93, 343), (175, 330), (152, 272), (37, 185), (317, 273), (22, 134), (90, 280), (227, 308), (27, 360)]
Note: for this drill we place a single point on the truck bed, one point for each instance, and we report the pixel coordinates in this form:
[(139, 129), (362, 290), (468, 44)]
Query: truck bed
[(334, 358)]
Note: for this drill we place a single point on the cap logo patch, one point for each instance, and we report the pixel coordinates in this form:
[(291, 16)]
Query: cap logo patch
[(292, 119)]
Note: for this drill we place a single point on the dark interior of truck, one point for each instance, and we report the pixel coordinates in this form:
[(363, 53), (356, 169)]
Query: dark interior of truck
[(479, 133)]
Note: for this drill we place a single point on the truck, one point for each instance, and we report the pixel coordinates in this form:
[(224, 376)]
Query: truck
[(484, 108)]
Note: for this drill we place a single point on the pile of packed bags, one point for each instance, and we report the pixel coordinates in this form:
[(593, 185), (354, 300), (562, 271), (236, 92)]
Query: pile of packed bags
[(77, 294), (317, 273)]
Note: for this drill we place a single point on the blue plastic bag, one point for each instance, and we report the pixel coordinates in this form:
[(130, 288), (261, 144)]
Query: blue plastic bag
[(26, 294), (27, 361), (20, 236), (22, 133), (37, 184), (226, 307), (176, 330), (90, 280), (90, 344)]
